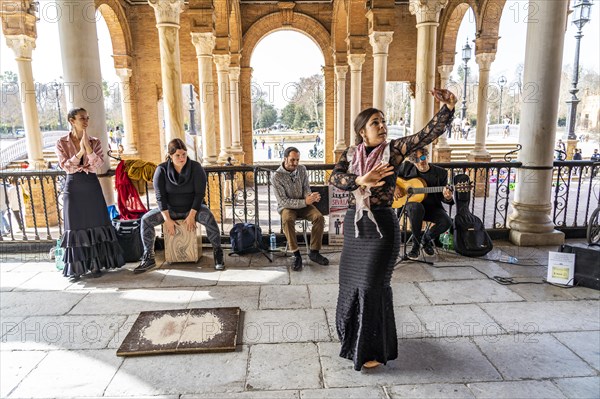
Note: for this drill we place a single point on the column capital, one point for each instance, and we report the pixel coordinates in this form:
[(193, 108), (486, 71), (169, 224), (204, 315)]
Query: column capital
[(204, 42), (427, 11), (380, 41), (341, 71), (22, 45), (222, 61), (484, 60), (356, 61), (19, 17), (445, 71), (124, 73), (234, 73), (167, 11)]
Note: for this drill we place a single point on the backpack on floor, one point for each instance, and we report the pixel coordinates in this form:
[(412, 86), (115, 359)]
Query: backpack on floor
[(130, 240), (243, 236)]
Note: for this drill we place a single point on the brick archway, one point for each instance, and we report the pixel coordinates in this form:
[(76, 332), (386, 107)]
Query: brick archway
[(256, 32), (118, 27)]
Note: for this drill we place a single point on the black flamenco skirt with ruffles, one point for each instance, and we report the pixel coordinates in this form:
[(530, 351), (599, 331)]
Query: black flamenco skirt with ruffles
[(365, 310), (89, 240)]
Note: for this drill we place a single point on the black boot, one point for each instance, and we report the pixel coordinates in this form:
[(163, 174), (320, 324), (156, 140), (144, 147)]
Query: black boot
[(297, 261), (316, 257), (218, 255), (147, 263)]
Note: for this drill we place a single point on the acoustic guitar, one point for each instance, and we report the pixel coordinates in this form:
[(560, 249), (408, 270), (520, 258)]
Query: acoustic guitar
[(416, 190)]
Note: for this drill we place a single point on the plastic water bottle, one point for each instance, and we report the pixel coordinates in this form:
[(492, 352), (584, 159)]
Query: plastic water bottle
[(447, 241), (509, 259), (272, 242)]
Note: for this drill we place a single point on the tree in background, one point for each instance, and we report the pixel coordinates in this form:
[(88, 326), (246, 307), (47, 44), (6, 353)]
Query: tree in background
[(10, 106), (308, 100)]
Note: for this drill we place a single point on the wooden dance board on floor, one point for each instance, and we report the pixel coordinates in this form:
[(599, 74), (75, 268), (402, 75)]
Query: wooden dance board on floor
[(182, 331)]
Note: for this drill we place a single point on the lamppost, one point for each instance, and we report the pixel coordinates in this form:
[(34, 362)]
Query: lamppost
[(57, 86), (192, 123), (501, 83), (466, 56), (581, 16)]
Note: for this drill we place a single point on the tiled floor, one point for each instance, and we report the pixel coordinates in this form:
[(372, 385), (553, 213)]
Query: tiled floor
[(461, 335)]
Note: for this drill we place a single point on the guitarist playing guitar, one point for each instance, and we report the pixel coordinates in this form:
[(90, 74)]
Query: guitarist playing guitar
[(430, 209)]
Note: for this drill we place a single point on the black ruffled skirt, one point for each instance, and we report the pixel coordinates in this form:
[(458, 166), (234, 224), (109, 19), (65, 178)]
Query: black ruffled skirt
[(89, 240), (365, 310)]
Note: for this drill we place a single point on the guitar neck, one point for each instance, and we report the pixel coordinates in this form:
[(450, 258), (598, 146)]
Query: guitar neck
[(427, 190)]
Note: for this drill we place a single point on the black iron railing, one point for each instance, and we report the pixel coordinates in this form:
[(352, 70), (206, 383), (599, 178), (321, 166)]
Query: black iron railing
[(31, 201)]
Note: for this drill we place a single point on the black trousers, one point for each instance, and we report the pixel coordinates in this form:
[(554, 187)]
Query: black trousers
[(417, 213)]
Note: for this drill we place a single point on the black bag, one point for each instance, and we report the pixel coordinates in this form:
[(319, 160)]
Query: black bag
[(130, 240), (242, 237), (470, 237)]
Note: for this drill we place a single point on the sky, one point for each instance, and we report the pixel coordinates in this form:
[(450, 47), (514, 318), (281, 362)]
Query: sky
[(285, 56)]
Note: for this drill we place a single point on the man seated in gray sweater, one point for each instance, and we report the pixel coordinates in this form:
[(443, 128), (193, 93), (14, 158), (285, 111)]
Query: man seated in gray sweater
[(295, 201)]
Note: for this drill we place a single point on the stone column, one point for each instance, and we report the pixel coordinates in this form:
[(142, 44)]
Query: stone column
[(340, 109), (130, 145), (82, 76), (23, 46), (380, 41), (443, 152), (356, 61), (222, 61), (479, 153), (167, 22), (234, 98), (204, 43), (427, 13), (530, 220)]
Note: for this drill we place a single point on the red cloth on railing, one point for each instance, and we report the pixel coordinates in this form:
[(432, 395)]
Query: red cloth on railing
[(130, 204)]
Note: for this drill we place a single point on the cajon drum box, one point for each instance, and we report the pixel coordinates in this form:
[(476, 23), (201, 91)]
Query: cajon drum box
[(183, 246)]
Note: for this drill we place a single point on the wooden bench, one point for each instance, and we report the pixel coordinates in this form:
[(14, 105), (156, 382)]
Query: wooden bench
[(183, 246)]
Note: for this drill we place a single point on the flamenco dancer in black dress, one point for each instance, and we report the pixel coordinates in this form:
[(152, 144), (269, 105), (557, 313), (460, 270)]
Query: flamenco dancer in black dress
[(89, 239), (365, 313)]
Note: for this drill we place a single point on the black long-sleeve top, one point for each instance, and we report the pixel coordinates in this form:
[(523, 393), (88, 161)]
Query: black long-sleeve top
[(180, 192), (399, 148)]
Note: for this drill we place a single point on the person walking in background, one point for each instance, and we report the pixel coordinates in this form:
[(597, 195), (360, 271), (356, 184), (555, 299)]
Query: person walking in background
[(118, 139), (365, 309), (89, 239), (254, 142), (269, 152)]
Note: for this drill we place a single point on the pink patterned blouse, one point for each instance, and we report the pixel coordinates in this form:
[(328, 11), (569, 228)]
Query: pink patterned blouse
[(67, 156)]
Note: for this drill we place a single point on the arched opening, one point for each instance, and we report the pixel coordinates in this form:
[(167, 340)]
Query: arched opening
[(288, 97)]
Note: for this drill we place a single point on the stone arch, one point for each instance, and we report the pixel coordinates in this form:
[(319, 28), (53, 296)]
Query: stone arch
[(447, 33), (339, 27), (120, 34), (235, 28), (491, 13), (301, 23)]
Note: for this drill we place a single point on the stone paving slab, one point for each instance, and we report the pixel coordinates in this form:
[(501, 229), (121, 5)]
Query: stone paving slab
[(126, 302), (535, 356), (323, 295), (70, 372), (11, 280), (467, 291), (516, 389), (14, 366), (419, 361), (408, 325), (62, 332), (45, 281), (38, 303), (456, 321), (541, 292), (188, 278), (429, 391), (37, 266), (346, 393), (580, 388), (8, 324), (534, 317), (585, 344), (284, 297), (244, 297), (410, 272), (180, 374), (284, 326), (316, 274), (406, 294), (537, 273), (284, 366), (123, 278), (254, 276), (121, 333), (291, 394), (465, 271), (585, 293)]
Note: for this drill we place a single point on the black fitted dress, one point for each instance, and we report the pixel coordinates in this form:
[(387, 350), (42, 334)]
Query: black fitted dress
[(365, 312)]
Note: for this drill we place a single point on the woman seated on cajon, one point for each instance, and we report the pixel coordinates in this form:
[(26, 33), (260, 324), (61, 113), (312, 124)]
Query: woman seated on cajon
[(180, 186)]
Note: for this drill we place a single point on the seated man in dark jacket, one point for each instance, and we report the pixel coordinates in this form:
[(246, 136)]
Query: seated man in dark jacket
[(431, 209)]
